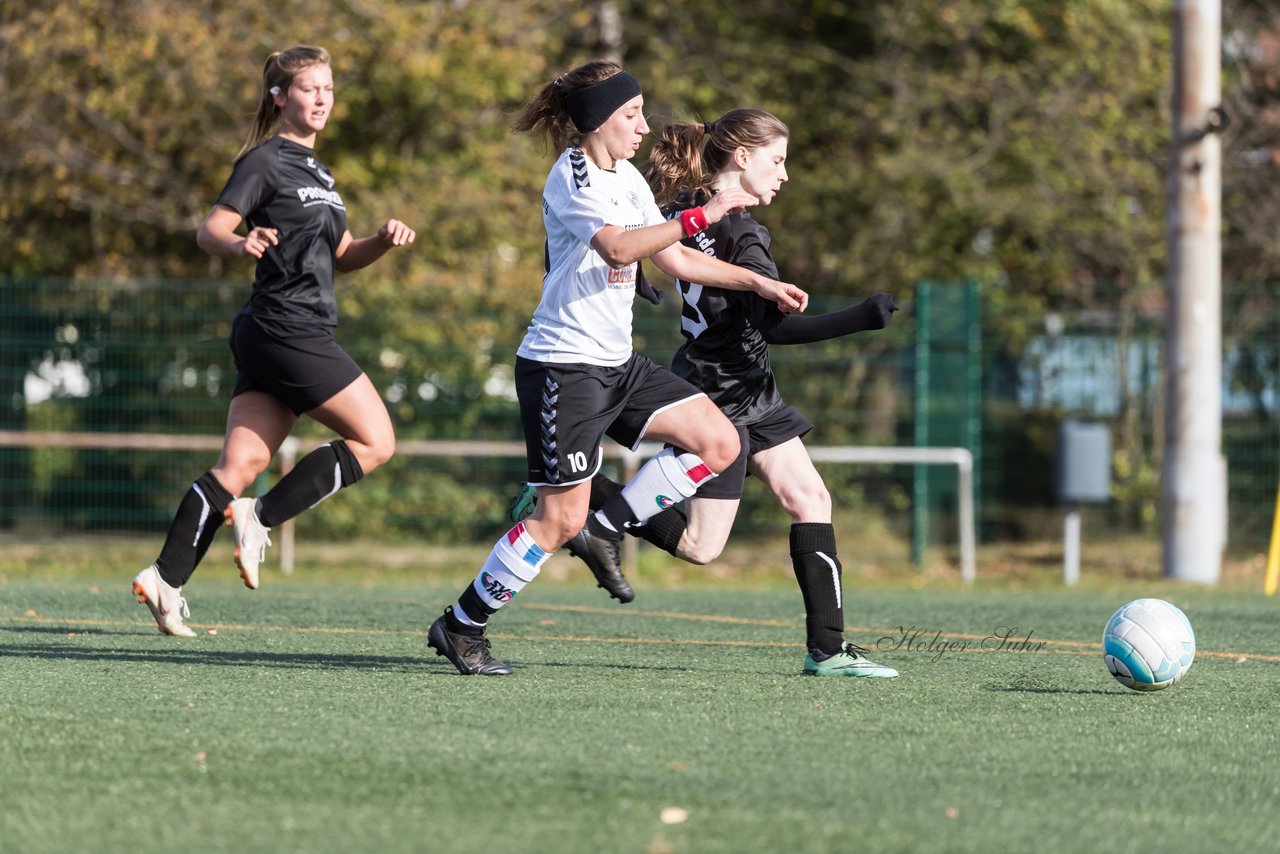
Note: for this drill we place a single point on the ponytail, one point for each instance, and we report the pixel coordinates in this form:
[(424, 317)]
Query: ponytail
[(547, 114), (675, 166), (687, 156), (277, 76)]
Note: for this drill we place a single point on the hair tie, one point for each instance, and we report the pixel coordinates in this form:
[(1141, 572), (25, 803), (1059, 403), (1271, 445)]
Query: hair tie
[(559, 82), (708, 128)]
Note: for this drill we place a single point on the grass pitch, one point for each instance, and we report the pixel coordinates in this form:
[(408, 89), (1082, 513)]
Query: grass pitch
[(312, 717)]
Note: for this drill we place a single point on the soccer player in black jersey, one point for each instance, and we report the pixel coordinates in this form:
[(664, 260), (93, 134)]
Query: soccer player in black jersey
[(577, 377), (282, 340), (726, 354)]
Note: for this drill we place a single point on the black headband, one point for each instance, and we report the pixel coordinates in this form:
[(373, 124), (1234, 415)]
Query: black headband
[(591, 106)]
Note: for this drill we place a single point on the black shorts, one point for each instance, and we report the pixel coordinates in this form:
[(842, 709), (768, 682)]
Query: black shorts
[(779, 425), (567, 410), (300, 366)]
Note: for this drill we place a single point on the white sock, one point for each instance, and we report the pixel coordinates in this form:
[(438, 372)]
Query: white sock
[(514, 561), (663, 481)]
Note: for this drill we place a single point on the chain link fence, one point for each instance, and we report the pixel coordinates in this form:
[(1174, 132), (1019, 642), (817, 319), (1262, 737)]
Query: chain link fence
[(150, 358)]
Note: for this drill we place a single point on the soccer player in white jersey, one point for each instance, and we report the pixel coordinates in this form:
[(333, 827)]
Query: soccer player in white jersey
[(726, 355), (577, 377), (287, 361)]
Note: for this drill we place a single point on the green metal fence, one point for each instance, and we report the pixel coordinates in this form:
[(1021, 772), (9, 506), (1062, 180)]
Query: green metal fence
[(150, 357)]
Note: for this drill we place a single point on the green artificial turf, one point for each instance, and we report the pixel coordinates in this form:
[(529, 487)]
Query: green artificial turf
[(312, 717)]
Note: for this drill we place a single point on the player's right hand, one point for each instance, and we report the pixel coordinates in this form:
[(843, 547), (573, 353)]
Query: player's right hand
[(730, 201), (259, 240), (788, 297)]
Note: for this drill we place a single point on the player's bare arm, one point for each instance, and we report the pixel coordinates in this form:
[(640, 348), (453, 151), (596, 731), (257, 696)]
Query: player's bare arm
[(690, 265), (620, 247), (353, 254), (217, 235)]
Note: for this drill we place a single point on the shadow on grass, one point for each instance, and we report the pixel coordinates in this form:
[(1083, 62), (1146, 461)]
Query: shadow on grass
[(225, 658), (189, 651), (614, 665), (64, 631), (1031, 687), (427, 665)]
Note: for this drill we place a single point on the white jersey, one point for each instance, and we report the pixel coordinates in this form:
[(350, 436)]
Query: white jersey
[(585, 313)]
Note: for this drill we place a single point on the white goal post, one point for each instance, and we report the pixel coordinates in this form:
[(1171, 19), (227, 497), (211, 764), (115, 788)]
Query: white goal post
[(293, 447)]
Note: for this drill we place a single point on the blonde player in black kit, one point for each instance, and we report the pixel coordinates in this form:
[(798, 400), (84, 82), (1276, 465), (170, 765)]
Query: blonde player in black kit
[(726, 354), (287, 360), (577, 377)]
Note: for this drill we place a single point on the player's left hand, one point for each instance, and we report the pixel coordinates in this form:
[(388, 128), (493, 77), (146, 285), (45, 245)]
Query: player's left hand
[(396, 233), (880, 310)]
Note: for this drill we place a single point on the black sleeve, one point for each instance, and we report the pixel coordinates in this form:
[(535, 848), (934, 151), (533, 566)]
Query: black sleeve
[(749, 251), (250, 183), (875, 312), (643, 286)]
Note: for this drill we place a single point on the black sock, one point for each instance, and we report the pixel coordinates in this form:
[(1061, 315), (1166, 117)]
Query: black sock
[(602, 489), (619, 514), (318, 475), (596, 528), (192, 530), (474, 607), (813, 557), (663, 530)]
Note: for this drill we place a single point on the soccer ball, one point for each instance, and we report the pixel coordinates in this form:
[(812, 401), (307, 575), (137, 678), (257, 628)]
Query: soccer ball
[(1148, 644)]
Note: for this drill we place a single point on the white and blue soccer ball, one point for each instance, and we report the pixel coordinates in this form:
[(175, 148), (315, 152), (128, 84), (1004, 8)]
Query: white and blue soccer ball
[(1148, 644)]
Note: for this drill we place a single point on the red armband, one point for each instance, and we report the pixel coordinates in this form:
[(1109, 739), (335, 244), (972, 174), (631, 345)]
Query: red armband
[(694, 220)]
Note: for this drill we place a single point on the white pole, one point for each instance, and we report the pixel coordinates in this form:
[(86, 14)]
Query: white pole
[(1194, 485), (288, 455), (964, 490), (1071, 546)]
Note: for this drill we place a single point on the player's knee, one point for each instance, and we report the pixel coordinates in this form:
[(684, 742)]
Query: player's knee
[(377, 452), (551, 529), (721, 449), (563, 530), (698, 553), (238, 473), (807, 503), (374, 452), (701, 544)]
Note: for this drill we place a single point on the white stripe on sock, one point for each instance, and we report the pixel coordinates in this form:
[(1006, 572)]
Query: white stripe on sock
[(204, 514), (835, 576), (337, 483)]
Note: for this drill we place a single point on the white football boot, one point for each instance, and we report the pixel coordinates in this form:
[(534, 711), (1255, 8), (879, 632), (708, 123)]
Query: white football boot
[(166, 603), (252, 539)]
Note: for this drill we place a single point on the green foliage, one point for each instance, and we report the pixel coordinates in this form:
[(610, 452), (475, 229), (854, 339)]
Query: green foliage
[(1022, 143), (122, 119)]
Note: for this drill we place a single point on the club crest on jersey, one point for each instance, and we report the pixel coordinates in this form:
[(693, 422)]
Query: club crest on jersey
[(321, 171), (496, 589), (665, 501), (634, 199)]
